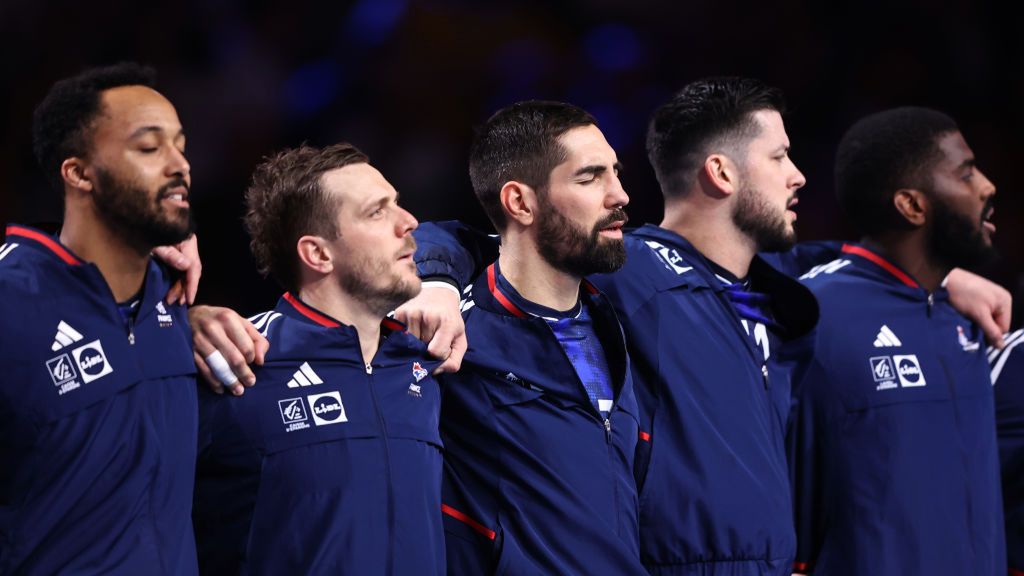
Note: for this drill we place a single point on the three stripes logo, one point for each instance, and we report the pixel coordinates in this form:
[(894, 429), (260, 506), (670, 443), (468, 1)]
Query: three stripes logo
[(886, 338), (997, 358), (6, 249), (66, 335), (304, 376), (263, 320)]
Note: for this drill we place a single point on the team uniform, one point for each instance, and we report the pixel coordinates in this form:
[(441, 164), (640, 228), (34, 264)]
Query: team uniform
[(894, 456), (540, 429), (329, 465), (711, 462), (1008, 380), (714, 489), (97, 419)]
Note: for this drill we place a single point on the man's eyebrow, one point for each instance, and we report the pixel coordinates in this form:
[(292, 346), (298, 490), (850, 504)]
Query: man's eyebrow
[(381, 202), (154, 130), (146, 130), (596, 169), (968, 163)]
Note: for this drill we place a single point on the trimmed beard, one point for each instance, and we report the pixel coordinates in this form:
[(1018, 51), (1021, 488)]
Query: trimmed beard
[(360, 279), (956, 241), (762, 222), (127, 211), (567, 247)]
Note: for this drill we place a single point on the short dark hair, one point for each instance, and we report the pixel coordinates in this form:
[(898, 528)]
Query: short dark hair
[(704, 115), (883, 153), (286, 201), (520, 142), (62, 122)]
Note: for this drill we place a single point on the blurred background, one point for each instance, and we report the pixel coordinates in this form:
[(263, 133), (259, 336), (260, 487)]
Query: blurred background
[(407, 80)]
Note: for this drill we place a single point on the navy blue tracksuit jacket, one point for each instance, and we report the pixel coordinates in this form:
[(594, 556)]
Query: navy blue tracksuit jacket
[(326, 466), (893, 439), (536, 480), (1008, 379), (97, 419), (711, 464)]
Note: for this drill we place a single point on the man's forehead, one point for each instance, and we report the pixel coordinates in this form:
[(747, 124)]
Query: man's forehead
[(771, 129), (357, 183), (133, 107), (586, 145), (955, 150)]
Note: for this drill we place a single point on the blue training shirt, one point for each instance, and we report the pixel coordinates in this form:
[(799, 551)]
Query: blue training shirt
[(574, 330), (892, 441), (326, 466), (97, 419)]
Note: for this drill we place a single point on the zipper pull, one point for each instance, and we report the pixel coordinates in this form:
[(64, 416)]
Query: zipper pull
[(931, 302), (764, 374), (131, 331), (608, 428), (369, 369)]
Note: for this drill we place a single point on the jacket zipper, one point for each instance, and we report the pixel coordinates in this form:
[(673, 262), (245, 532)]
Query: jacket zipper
[(389, 563)]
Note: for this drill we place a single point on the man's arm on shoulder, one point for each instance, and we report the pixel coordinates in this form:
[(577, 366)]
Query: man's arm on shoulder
[(986, 303), (453, 251), (224, 346), (434, 317)]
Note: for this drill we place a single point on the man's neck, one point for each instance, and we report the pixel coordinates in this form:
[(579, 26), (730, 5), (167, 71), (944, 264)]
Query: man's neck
[(326, 295), (534, 278), (122, 265), (910, 253), (713, 234)]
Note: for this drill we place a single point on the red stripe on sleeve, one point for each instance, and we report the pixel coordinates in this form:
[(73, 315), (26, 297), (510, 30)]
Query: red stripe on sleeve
[(468, 521)]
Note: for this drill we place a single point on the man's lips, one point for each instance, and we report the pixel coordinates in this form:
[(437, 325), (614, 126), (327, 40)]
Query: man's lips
[(613, 229), (176, 195), (986, 220), (791, 205)]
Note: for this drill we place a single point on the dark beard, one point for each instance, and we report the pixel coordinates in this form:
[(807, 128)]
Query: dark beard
[(566, 247), (357, 280), (756, 218), (955, 240), (128, 211)]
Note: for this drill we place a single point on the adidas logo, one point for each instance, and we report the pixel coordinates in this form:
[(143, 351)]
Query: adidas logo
[(886, 338), (65, 335), (304, 376)]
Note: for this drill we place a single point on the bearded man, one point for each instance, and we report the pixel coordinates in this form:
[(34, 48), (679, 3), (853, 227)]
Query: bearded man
[(540, 423), (98, 435), (893, 440), (333, 463)]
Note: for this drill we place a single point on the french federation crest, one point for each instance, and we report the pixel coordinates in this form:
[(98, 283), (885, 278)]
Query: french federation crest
[(418, 372)]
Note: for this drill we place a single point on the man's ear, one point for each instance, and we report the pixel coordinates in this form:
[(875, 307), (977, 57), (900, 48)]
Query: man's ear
[(75, 174), (519, 201), (315, 254), (721, 173), (912, 204)]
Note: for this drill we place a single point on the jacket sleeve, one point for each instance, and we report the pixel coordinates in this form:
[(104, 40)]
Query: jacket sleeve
[(804, 256), (1008, 381), (453, 251), (805, 443)]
